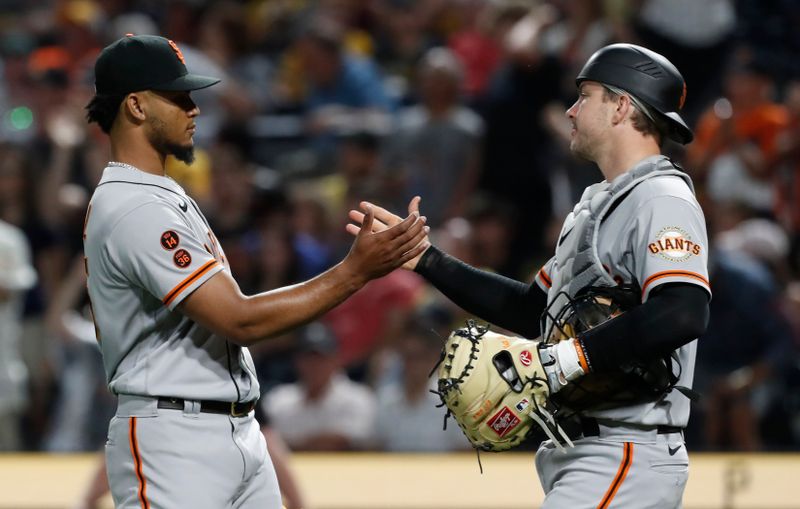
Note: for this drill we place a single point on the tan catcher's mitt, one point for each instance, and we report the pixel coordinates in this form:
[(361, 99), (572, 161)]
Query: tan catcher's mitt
[(495, 388)]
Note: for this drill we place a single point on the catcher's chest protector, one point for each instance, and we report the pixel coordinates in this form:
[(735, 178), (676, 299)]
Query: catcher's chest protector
[(576, 258)]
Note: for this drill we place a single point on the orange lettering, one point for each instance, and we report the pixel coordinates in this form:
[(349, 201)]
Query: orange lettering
[(683, 97), (696, 249), (653, 248), (177, 51)]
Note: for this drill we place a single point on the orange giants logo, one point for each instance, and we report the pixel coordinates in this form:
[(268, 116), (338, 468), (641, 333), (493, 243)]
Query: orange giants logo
[(674, 244), (177, 51)]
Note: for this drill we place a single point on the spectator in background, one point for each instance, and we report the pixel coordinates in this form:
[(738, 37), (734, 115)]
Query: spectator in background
[(476, 46), (696, 36), (408, 419), (582, 29), (771, 29), (80, 412), (370, 323), (493, 228), (343, 91), (404, 31), (747, 346), (16, 276), (324, 410), (434, 148), (519, 152), (735, 144), (357, 171), (787, 174), (225, 39)]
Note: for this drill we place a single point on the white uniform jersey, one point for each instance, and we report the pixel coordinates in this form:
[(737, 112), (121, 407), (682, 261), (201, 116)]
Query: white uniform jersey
[(147, 248), (656, 235)]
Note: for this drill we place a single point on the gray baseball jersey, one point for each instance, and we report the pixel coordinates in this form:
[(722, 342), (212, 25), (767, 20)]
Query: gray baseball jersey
[(147, 248), (655, 235)]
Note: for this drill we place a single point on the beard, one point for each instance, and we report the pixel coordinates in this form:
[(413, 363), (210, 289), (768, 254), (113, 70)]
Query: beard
[(158, 138), (581, 148)]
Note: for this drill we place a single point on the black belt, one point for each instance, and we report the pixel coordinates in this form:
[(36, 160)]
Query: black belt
[(211, 407), (591, 428)]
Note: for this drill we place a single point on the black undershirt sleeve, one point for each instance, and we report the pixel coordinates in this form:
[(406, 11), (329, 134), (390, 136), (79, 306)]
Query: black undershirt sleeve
[(674, 315), (499, 300)]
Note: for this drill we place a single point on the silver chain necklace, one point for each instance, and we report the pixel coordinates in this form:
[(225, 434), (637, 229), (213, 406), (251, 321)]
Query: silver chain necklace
[(123, 165)]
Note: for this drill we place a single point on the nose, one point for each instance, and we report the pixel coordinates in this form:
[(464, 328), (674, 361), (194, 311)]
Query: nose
[(570, 113)]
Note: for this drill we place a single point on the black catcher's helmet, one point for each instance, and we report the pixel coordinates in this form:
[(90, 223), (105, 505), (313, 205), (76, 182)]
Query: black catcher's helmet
[(648, 76)]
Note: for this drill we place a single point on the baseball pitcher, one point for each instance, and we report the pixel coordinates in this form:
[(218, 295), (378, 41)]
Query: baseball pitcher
[(171, 321)]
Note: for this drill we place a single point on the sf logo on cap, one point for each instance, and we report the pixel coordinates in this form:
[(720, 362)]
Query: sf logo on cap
[(177, 51)]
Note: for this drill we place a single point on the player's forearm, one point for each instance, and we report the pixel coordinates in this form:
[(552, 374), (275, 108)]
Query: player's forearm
[(672, 317), (277, 311), (220, 306), (497, 299)]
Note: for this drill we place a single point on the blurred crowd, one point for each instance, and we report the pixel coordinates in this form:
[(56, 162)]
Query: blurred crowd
[(324, 103)]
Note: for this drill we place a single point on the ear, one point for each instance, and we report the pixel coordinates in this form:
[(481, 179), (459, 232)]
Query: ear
[(134, 106), (622, 109)]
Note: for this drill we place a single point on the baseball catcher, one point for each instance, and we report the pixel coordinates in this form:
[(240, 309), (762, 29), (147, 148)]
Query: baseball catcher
[(608, 363)]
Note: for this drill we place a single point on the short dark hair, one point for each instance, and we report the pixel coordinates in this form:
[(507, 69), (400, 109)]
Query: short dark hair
[(103, 109), (640, 121)]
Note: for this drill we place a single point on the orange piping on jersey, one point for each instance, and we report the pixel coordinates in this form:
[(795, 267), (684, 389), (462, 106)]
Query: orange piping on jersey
[(86, 220), (545, 278), (627, 459), (674, 273), (189, 280), (137, 463)]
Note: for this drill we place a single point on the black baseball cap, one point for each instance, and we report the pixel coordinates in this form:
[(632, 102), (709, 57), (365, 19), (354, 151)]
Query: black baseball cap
[(144, 62)]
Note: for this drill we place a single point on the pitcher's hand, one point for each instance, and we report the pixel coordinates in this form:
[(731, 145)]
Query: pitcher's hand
[(380, 248), (384, 219)]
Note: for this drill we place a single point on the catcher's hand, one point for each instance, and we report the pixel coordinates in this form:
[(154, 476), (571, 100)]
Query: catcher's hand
[(563, 362), (495, 387), (384, 219)]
